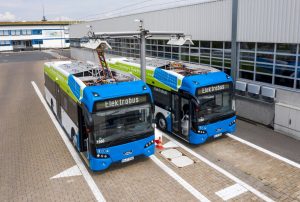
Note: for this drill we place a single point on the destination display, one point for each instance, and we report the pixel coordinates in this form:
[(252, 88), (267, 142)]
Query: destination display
[(121, 102), (213, 89)]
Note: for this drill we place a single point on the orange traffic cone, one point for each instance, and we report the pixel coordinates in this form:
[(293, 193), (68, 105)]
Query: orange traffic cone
[(159, 144)]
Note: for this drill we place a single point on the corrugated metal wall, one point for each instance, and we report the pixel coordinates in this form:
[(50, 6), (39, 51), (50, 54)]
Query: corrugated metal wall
[(269, 21), (205, 21)]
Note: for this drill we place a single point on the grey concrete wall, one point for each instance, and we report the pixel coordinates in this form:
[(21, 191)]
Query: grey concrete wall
[(257, 111)]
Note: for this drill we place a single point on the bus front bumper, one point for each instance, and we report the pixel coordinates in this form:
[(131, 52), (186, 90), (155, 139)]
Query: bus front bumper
[(121, 152), (212, 130)]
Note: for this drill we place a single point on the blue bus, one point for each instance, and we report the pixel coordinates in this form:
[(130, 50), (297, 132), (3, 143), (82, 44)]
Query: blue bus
[(193, 102), (107, 119)]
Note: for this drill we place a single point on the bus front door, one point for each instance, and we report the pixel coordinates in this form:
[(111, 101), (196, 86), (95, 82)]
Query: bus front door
[(58, 101), (176, 114)]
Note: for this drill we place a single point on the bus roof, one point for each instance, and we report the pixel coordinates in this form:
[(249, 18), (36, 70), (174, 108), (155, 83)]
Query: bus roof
[(171, 75)]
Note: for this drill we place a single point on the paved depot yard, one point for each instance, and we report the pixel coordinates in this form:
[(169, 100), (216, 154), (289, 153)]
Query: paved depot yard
[(32, 152)]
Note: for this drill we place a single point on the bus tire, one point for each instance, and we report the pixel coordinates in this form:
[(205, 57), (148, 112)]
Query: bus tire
[(161, 122), (73, 136), (51, 104)]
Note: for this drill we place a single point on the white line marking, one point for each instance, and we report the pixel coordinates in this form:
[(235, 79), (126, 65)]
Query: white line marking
[(70, 172), (221, 170), (181, 181), (292, 163), (88, 178), (231, 192)]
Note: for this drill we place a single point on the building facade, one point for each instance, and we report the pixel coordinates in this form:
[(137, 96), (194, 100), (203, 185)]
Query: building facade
[(268, 50), (16, 36)]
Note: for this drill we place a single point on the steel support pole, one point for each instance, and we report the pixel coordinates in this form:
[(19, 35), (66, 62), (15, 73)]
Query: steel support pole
[(143, 54), (234, 51)]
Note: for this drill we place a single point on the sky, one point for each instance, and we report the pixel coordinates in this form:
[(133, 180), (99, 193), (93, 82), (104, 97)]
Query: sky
[(32, 10)]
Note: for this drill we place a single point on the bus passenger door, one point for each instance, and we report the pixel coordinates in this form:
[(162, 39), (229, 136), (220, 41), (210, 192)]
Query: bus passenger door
[(175, 114), (58, 101)]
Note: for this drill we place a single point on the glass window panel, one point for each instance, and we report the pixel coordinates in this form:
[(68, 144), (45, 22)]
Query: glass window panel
[(205, 52), (217, 62), (227, 45), (175, 57), (285, 71), (18, 32), (175, 49), (195, 51), (195, 59), (1, 32), (249, 46), (168, 55), (217, 53), (154, 41), (227, 71), (286, 48), (13, 32), (167, 48), (196, 44), (247, 66), (160, 54), (247, 56), (265, 58), (6, 32), (154, 53), (264, 78), (298, 73), (269, 47), (154, 47), (284, 82), (298, 84), (184, 50), (217, 44), (160, 42), (148, 53), (185, 58), (246, 75), (227, 63), (264, 68), (205, 44), (160, 48), (227, 53), (286, 60), (204, 60), (148, 47), (298, 61)]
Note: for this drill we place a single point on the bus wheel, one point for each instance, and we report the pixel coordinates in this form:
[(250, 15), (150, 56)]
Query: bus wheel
[(161, 122), (73, 136), (51, 104)]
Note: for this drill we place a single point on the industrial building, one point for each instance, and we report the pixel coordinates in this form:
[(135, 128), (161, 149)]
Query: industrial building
[(258, 40), (15, 36)]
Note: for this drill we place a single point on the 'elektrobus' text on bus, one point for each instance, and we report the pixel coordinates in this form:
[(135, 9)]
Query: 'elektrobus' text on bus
[(193, 102), (107, 121)]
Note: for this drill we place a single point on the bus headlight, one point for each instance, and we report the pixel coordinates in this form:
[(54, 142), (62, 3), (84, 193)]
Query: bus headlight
[(102, 156), (232, 123), (201, 119), (202, 131), (149, 144)]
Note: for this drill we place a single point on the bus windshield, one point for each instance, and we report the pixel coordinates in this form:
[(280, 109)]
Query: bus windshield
[(127, 123), (213, 105)]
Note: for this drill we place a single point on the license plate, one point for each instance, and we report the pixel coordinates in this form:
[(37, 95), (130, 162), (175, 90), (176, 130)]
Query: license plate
[(218, 135), (127, 159)]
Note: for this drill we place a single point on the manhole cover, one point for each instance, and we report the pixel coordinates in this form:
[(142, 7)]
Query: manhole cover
[(171, 153), (182, 161)]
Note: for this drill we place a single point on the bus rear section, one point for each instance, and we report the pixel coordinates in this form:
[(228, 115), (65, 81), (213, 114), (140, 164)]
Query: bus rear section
[(108, 121)]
